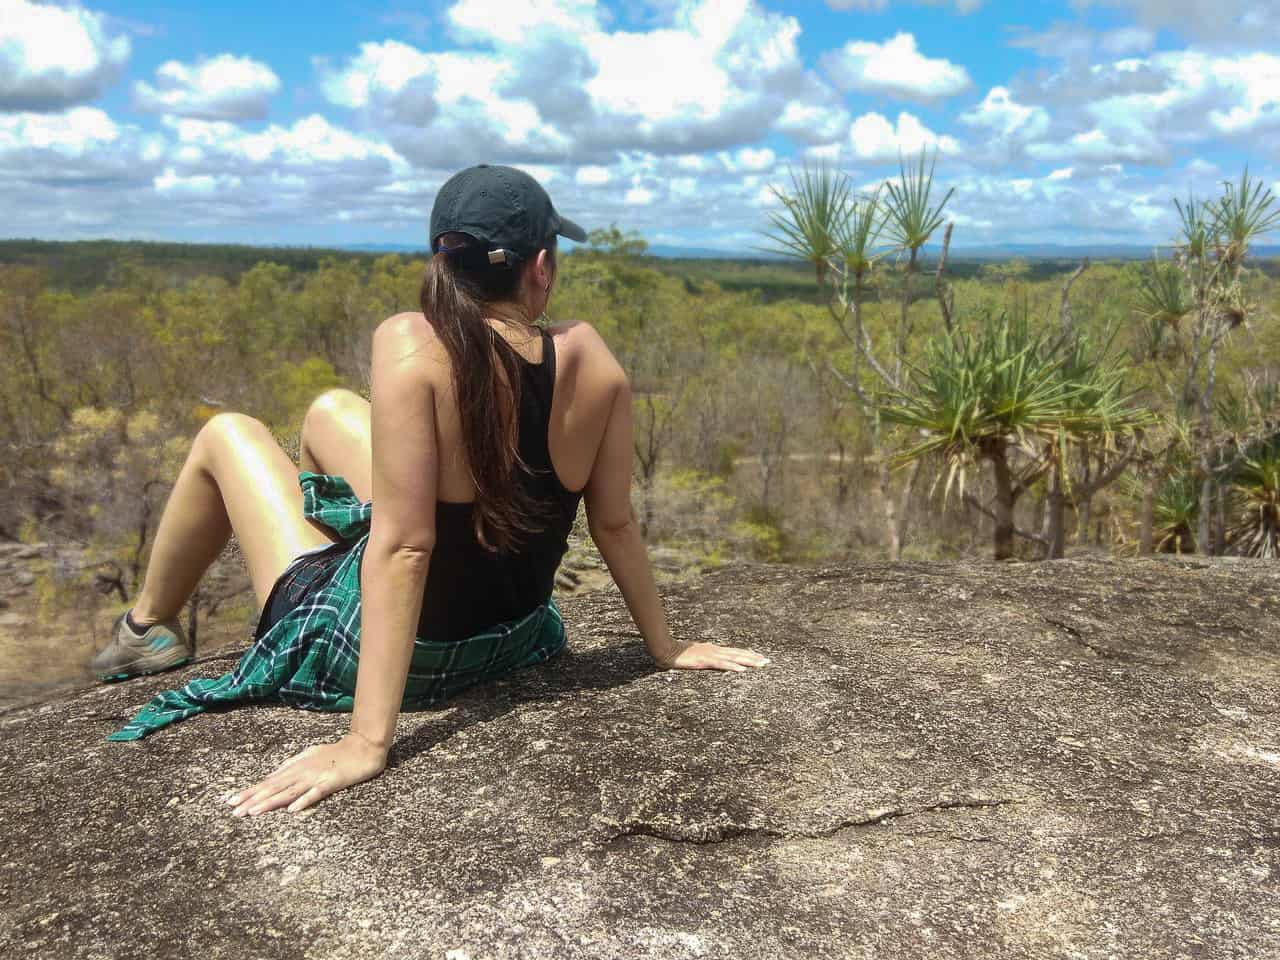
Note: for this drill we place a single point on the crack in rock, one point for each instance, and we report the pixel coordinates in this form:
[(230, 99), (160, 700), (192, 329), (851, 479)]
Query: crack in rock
[(712, 833), (1075, 635)]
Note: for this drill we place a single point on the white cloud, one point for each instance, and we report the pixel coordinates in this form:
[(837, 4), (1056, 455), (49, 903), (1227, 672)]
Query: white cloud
[(72, 172), (877, 6), (53, 57), (813, 123), (748, 160), (1076, 42), (1149, 109), (73, 134), (1063, 173), (1005, 118), (1124, 40), (201, 185), (221, 88), (504, 22), (561, 87), (379, 69), (873, 137), (639, 196), (895, 67), (1095, 146), (592, 176), (1230, 23), (310, 142)]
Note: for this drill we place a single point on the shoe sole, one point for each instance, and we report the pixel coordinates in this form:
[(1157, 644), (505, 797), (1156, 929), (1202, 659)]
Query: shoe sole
[(146, 666)]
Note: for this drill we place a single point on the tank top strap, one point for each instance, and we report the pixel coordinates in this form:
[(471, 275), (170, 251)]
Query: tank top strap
[(542, 376)]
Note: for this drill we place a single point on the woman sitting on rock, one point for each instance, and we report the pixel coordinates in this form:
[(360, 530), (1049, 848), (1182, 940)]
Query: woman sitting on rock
[(484, 432)]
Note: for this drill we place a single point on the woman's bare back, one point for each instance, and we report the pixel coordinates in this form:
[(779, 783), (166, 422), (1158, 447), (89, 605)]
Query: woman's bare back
[(585, 385)]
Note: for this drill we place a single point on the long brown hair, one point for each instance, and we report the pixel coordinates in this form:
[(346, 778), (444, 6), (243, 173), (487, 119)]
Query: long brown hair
[(459, 282)]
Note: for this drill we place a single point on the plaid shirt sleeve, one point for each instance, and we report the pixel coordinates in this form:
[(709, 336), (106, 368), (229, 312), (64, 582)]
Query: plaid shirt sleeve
[(308, 658)]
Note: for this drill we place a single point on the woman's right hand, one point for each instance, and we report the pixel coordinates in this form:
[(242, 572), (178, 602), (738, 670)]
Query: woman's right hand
[(710, 656)]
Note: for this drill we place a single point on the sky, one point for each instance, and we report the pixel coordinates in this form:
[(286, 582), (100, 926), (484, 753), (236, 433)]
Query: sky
[(1075, 122)]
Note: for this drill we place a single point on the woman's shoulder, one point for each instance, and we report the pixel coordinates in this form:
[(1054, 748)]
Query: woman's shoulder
[(408, 326), (579, 345), (408, 338)]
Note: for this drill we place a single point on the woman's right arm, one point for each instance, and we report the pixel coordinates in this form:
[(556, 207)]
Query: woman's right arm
[(615, 530)]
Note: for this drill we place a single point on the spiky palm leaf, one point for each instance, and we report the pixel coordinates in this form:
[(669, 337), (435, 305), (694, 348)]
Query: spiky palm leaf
[(1005, 384), (1176, 510), (1162, 294), (1256, 488), (1241, 215), (858, 234), (1196, 226), (910, 215), (814, 211)]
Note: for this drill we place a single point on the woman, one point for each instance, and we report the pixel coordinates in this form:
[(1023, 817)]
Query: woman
[(483, 434)]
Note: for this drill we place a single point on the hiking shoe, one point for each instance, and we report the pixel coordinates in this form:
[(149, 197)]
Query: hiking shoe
[(161, 646)]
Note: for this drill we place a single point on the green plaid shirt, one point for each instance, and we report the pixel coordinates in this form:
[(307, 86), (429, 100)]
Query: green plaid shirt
[(308, 658)]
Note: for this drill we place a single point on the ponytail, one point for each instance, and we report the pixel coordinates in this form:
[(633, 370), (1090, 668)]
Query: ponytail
[(486, 377)]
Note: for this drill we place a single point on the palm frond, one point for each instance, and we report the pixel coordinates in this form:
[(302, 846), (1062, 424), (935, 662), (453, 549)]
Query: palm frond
[(910, 215), (814, 211), (1162, 293)]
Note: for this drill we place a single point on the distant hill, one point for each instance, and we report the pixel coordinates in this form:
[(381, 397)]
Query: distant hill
[(85, 264)]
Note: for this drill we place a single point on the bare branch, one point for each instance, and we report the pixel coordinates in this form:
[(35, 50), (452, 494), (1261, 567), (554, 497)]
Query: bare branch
[(946, 296), (1112, 473), (974, 502), (1064, 309)]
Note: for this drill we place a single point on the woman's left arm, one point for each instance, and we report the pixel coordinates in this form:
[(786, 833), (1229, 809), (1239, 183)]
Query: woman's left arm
[(393, 573)]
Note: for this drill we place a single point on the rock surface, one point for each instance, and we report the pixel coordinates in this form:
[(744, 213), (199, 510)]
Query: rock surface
[(1073, 759)]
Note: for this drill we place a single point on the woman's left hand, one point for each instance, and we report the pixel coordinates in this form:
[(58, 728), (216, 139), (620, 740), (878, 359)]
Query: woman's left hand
[(312, 775)]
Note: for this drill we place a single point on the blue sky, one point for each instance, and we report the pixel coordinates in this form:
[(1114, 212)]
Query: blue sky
[(1073, 122)]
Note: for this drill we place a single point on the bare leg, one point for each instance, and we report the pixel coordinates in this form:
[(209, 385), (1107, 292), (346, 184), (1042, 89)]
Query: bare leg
[(336, 439), (236, 477)]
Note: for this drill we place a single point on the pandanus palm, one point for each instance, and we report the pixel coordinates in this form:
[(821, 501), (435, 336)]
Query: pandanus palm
[(813, 211), (1243, 213), (1256, 485), (911, 218), (1015, 398)]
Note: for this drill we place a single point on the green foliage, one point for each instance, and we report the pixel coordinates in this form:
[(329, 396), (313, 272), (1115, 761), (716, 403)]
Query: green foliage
[(613, 242), (1256, 487), (1244, 212), (814, 209), (1162, 294), (732, 352), (910, 214), (978, 391), (1177, 508)]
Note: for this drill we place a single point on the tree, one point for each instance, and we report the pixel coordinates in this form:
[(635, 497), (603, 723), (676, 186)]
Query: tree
[(839, 233), (1006, 395), (1204, 283)]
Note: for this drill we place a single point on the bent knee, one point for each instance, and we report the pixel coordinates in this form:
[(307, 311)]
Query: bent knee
[(230, 427), (331, 405), (329, 410)]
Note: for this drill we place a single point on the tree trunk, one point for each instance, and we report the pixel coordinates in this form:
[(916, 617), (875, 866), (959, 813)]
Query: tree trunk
[(1084, 510), (890, 512), (904, 506), (1147, 521), (646, 505), (1220, 533), (1203, 542), (1003, 506), (1055, 517)]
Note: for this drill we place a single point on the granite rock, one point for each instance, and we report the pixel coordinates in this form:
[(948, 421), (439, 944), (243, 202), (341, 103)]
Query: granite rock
[(1077, 759)]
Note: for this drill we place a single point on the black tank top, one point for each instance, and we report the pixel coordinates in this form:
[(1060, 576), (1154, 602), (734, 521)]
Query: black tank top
[(469, 588)]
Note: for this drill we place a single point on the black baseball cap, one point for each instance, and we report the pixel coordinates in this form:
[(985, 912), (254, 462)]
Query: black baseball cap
[(502, 207)]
